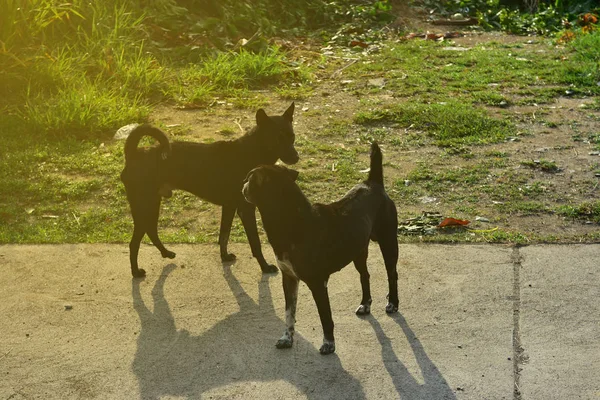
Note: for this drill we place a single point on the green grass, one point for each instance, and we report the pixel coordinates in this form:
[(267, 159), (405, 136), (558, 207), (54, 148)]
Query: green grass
[(447, 123), (71, 74), (588, 211), (543, 165), (489, 74), (85, 68)]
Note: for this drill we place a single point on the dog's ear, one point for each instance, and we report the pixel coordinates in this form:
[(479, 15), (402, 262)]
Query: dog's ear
[(289, 113), (261, 117)]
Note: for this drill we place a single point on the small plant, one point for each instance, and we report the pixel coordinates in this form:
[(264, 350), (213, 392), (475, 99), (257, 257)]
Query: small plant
[(589, 211), (448, 123), (544, 165)]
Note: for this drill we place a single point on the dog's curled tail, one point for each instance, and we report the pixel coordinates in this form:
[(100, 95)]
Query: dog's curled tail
[(133, 140), (376, 168)]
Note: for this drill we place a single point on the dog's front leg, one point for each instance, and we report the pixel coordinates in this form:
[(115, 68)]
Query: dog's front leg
[(290, 291), (227, 214), (321, 297), (247, 213)]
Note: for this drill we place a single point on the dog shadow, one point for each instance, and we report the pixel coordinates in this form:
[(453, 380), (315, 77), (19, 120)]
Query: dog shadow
[(434, 386), (171, 362)]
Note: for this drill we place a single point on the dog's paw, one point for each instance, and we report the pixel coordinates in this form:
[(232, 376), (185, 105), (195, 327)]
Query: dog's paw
[(168, 254), (327, 347), (138, 273), (391, 308), (269, 269), (228, 257), (285, 342), (363, 309)]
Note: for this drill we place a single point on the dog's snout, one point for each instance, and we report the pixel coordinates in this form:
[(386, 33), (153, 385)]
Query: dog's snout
[(291, 158)]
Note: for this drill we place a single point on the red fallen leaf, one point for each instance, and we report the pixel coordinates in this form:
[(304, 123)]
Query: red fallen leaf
[(358, 43), (587, 19), (453, 222)]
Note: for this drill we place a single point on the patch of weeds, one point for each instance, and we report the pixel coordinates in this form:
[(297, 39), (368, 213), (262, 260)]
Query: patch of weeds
[(503, 236), (588, 211), (549, 124), (495, 162), (462, 152), (379, 135), (543, 165), (595, 105), (507, 186), (244, 70), (491, 98), (403, 194), (82, 109), (93, 225), (228, 131), (401, 142), (447, 124), (193, 94), (528, 96), (536, 189), (584, 71), (438, 181), (496, 154), (464, 209), (592, 138), (347, 172)]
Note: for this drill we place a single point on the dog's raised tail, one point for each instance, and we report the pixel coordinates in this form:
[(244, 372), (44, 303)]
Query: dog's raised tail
[(376, 168), (133, 140)]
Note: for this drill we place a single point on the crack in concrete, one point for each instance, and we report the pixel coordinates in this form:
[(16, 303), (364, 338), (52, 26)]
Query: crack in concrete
[(517, 259)]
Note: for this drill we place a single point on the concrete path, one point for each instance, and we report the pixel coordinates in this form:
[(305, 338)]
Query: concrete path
[(475, 322)]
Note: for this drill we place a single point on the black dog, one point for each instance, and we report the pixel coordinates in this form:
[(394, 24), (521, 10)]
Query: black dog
[(313, 241), (214, 172)]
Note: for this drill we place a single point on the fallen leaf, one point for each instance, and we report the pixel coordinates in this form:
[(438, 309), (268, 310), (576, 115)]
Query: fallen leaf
[(358, 43), (453, 222)]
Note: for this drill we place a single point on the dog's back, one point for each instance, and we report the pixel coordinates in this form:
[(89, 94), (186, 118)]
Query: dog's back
[(352, 221)]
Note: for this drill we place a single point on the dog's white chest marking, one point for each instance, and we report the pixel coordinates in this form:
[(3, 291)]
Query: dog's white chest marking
[(285, 265)]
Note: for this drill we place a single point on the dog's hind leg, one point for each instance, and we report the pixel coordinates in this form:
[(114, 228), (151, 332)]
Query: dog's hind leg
[(290, 291), (227, 214), (152, 210), (385, 233), (247, 213), (360, 263), (321, 297), (389, 249), (134, 248)]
